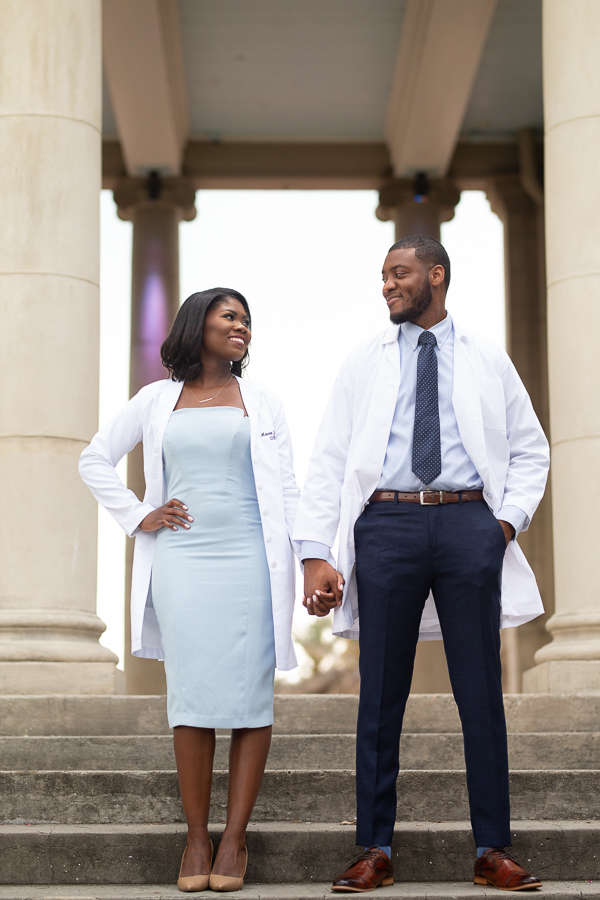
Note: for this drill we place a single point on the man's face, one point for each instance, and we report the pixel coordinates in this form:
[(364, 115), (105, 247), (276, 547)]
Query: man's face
[(406, 286)]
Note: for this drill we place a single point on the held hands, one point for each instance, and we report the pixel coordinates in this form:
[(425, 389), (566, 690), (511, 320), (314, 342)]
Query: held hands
[(322, 587), (170, 515)]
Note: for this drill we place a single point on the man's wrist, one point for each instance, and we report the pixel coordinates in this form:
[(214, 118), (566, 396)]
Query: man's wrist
[(513, 516), (312, 559)]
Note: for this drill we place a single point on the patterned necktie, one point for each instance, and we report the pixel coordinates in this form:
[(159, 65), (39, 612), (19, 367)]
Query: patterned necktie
[(427, 452)]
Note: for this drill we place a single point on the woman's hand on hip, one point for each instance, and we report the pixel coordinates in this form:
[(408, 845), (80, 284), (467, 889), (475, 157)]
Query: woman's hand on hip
[(170, 515)]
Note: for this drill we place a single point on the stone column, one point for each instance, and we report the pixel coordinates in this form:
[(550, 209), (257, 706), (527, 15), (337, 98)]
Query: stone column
[(155, 207), (419, 207), (526, 333), (571, 36), (50, 111)]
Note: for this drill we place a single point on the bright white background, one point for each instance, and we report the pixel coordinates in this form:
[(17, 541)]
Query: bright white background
[(309, 263)]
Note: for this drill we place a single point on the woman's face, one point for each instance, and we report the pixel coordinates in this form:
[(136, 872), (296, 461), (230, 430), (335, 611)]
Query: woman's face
[(226, 330)]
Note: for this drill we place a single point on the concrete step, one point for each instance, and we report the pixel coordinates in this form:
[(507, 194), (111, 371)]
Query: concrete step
[(283, 854), (553, 890), (316, 796), (542, 750), (55, 714), (574, 750)]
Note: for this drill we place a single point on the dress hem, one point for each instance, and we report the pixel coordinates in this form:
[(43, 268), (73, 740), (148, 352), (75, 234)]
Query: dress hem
[(217, 722)]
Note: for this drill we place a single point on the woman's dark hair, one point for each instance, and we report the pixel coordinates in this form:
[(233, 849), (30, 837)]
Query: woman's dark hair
[(180, 351)]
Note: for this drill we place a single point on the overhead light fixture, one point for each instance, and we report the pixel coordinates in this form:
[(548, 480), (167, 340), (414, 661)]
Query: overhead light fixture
[(154, 185), (421, 188)]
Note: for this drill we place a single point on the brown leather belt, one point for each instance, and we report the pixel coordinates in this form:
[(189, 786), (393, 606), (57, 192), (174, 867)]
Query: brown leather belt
[(427, 498)]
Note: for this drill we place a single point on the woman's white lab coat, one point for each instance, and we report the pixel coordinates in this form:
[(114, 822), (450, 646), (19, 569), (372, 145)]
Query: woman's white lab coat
[(144, 418)]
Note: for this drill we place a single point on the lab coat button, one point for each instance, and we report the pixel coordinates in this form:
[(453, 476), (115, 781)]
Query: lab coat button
[(265, 512), (488, 495), (259, 486), (273, 564), (268, 539)]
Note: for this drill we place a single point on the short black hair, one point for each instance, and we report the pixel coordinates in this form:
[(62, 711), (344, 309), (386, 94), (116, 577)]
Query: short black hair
[(428, 250), (180, 351)]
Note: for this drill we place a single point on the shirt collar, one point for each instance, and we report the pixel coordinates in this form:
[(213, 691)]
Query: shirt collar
[(441, 331)]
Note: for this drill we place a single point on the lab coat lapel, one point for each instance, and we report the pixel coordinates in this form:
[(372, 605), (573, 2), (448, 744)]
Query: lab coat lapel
[(251, 400), (392, 354), (370, 435), (467, 407), (163, 407), (166, 403)]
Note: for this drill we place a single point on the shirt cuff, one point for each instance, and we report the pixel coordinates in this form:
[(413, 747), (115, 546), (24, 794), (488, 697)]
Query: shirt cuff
[(514, 516), (144, 510), (314, 550)]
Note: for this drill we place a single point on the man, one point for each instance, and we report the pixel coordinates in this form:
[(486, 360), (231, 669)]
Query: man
[(428, 463)]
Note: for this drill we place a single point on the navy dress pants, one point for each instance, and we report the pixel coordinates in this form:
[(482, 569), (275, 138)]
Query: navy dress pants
[(404, 550)]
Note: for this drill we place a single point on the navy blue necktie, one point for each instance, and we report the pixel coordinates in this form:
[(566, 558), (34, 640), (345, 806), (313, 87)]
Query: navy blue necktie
[(427, 451)]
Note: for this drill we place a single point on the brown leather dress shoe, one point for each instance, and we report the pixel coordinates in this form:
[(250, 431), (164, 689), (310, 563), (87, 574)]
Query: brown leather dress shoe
[(366, 872), (498, 868)]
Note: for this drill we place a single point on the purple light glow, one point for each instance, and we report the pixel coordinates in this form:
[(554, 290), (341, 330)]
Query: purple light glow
[(154, 326)]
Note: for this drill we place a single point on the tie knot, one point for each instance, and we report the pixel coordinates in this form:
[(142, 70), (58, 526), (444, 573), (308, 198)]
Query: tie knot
[(426, 337)]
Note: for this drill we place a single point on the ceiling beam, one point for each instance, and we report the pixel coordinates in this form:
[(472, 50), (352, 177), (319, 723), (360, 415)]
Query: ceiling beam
[(287, 165), (314, 166), (143, 61), (271, 165), (438, 58)]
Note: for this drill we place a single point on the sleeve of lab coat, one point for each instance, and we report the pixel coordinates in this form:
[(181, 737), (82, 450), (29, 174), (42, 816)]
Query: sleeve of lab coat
[(99, 459), (319, 507), (529, 450)]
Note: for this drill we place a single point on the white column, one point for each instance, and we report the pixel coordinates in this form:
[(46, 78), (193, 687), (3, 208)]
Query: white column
[(571, 37), (50, 106), (526, 334)]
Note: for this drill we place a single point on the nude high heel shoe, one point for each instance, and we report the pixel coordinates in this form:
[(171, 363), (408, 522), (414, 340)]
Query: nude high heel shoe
[(189, 883), (228, 882)]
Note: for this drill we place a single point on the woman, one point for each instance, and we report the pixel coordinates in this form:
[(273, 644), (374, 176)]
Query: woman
[(213, 572)]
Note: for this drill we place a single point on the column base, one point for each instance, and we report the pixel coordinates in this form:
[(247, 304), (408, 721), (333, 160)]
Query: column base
[(563, 677), (57, 678), (49, 651)]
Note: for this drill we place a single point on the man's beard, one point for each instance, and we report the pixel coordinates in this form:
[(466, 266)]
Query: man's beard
[(421, 301)]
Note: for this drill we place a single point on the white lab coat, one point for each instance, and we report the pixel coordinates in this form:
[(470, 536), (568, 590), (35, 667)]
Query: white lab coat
[(145, 418), (499, 431)]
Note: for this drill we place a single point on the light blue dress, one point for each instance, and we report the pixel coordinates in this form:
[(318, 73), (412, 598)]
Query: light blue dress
[(210, 584)]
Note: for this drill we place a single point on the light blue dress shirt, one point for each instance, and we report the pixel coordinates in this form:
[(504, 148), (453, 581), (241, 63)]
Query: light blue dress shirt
[(458, 472)]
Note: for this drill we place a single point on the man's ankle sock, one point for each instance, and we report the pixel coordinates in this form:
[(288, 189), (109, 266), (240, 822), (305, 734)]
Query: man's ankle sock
[(481, 851), (386, 850)]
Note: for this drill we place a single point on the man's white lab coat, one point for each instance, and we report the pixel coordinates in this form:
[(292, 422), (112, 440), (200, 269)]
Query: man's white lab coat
[(499, 431)]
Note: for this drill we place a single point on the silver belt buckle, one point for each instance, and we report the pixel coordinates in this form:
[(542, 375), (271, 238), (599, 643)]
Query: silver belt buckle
[(422, 495)]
